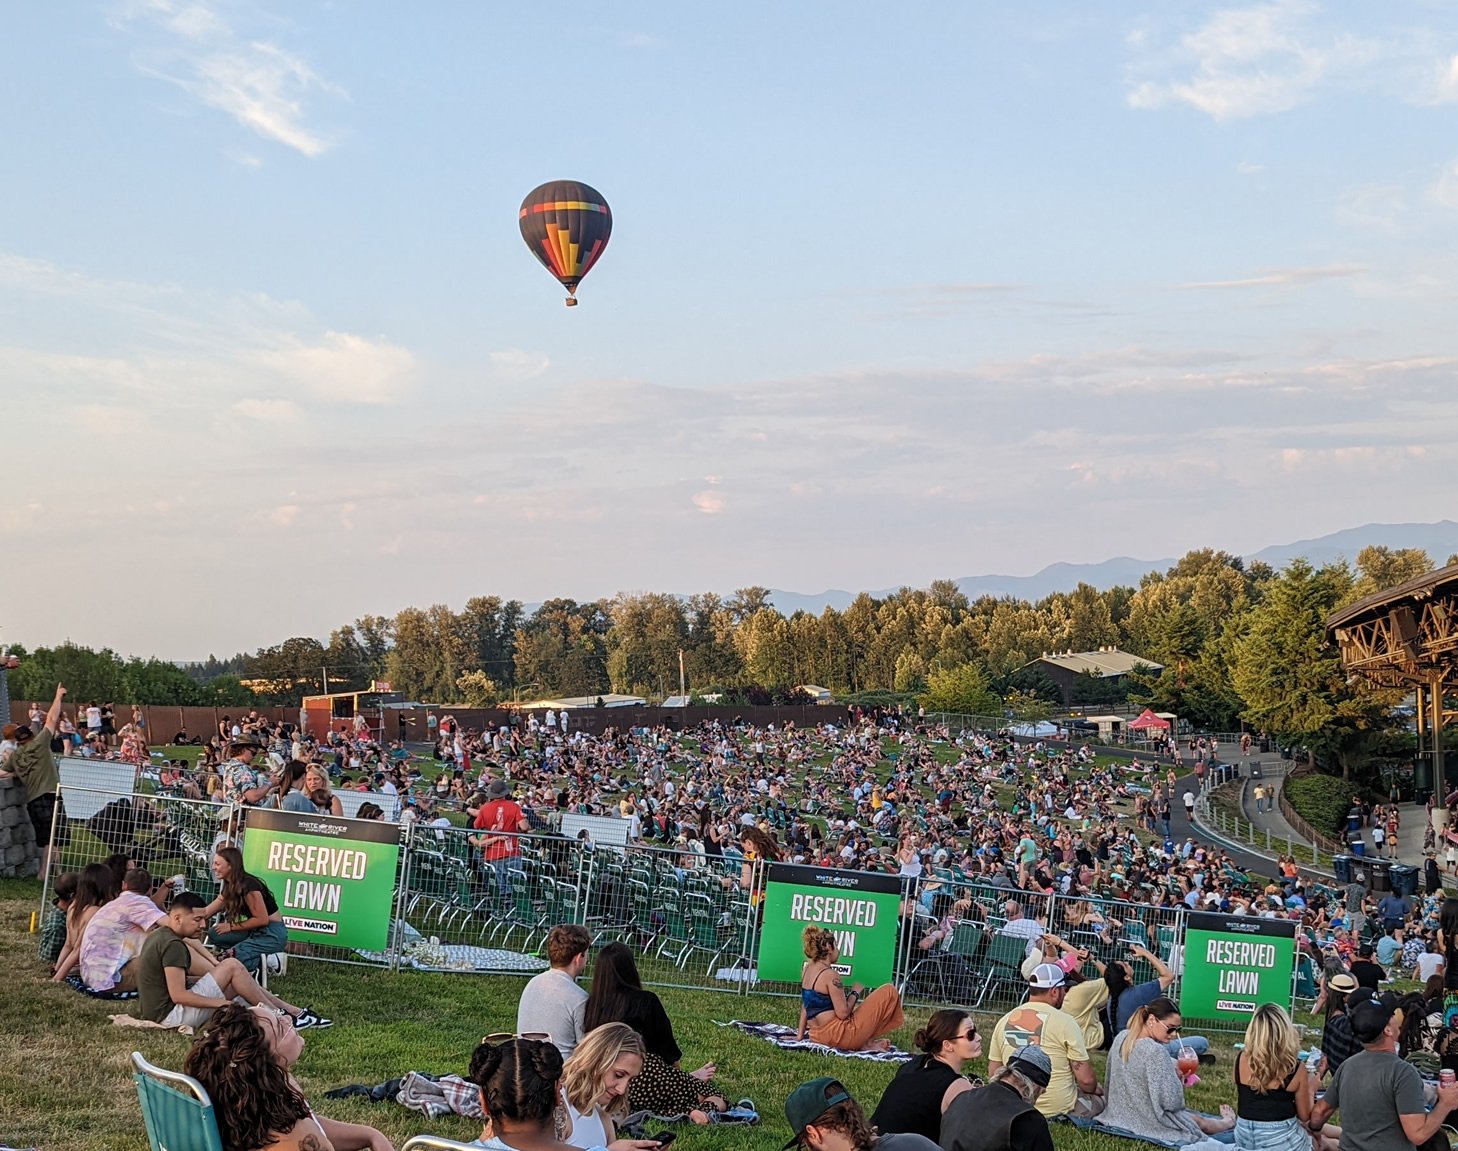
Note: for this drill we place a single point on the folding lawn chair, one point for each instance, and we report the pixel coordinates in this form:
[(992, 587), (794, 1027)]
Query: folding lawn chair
[(176, 1109)]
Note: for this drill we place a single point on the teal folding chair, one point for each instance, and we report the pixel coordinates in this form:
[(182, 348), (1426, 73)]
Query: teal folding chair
[(176, 1109), (434, 1143)]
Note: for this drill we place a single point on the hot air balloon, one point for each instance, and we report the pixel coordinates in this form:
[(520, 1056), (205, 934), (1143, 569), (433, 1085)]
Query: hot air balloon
[(566, 225)]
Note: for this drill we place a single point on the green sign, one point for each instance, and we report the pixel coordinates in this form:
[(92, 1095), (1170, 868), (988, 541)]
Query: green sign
[(334, 879), (862, 909), (1234, 963)]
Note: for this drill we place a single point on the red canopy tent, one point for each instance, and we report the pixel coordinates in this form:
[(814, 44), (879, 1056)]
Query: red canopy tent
[(1146, 720)]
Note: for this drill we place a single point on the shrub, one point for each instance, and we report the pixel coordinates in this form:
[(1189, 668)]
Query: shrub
[(1322, 800)]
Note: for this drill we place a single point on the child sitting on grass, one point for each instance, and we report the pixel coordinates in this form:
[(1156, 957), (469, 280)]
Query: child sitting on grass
[(53, 926)]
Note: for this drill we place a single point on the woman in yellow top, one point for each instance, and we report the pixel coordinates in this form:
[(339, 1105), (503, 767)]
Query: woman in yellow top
[(756, 844)]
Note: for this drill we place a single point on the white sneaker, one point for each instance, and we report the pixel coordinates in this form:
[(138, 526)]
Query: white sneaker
[(277, 963)]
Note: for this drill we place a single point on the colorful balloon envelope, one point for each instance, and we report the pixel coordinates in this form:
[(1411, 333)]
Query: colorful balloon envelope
[(566, 225)]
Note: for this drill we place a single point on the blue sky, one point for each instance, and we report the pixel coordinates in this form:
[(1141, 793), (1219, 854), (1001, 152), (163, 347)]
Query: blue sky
[(892, 295)]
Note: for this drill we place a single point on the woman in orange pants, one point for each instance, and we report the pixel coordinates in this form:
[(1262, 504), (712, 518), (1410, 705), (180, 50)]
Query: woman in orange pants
[(835, 1017)]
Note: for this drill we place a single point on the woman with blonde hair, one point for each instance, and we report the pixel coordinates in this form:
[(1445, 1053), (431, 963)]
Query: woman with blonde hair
[(1145, 1094), (595, 1083), (831, 1015), (316, 787), (1274, 1091)]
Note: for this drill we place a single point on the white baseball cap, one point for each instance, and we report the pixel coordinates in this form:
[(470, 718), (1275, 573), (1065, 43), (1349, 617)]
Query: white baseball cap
[(1046, 976)]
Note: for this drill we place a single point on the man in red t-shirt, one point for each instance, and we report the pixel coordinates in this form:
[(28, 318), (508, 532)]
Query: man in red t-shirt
[(502, 819)]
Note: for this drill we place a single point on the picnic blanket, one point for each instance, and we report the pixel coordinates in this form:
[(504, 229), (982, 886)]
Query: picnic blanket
[(438, 1095), (784, 1037), (1124, 1133), (463, 957), (73, 981)]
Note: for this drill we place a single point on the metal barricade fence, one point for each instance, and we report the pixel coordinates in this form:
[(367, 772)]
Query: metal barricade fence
[(457, 910), (168, 835), (684, 915), (972, 954), (688, 916), (692, 920)]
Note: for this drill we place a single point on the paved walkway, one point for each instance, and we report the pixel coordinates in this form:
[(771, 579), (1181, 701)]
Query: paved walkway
[(1246, 858), (1409, 839), (1284, 838)]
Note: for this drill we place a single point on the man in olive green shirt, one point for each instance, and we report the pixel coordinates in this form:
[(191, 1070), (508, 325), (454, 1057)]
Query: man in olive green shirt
[(35, 766), (164, 994)]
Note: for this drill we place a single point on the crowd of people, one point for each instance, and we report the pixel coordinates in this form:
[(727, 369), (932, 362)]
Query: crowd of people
[(1046, 847)]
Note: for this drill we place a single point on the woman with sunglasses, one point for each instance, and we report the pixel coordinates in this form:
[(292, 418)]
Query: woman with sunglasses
[(924, 1088), (1144, 1091)]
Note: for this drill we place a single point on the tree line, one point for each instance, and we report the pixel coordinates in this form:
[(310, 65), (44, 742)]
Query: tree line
[(1237, 643)]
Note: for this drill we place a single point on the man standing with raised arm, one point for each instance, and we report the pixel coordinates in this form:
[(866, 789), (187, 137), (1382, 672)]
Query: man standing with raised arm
[(35, 766)]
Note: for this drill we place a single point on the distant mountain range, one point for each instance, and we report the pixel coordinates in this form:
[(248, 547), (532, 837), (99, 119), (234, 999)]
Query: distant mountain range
[(1439, 540)]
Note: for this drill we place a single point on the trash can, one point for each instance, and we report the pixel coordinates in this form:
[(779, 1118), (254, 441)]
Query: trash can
[(1342, 865), (1360, 874), (1404, 879), (1255, 770), (1265, 747), (1382, 875), (1359, 849)]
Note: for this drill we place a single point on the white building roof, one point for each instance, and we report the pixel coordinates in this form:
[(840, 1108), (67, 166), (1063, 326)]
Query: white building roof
[(575, 702), (1107, 661), (684, 700)]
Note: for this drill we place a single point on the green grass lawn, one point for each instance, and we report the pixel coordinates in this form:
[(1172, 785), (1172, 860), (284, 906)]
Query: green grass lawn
[(65, 1083)]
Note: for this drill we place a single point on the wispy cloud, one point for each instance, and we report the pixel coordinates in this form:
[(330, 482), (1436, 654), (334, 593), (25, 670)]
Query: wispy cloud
[(1253, 61), (1381, 206), (258, 83), (1444, 190), (347, 368), (270, 411), (1444, 87), (1286, 277)]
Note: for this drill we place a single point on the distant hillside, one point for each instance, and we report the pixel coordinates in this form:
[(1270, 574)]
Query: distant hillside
[(1439, 540)]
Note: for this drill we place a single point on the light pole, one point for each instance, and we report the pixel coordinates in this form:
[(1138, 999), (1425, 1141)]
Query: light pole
[(7, 661), (515, 698)]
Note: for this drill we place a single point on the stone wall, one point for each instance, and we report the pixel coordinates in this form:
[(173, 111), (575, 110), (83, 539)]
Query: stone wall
[(18, 854)]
